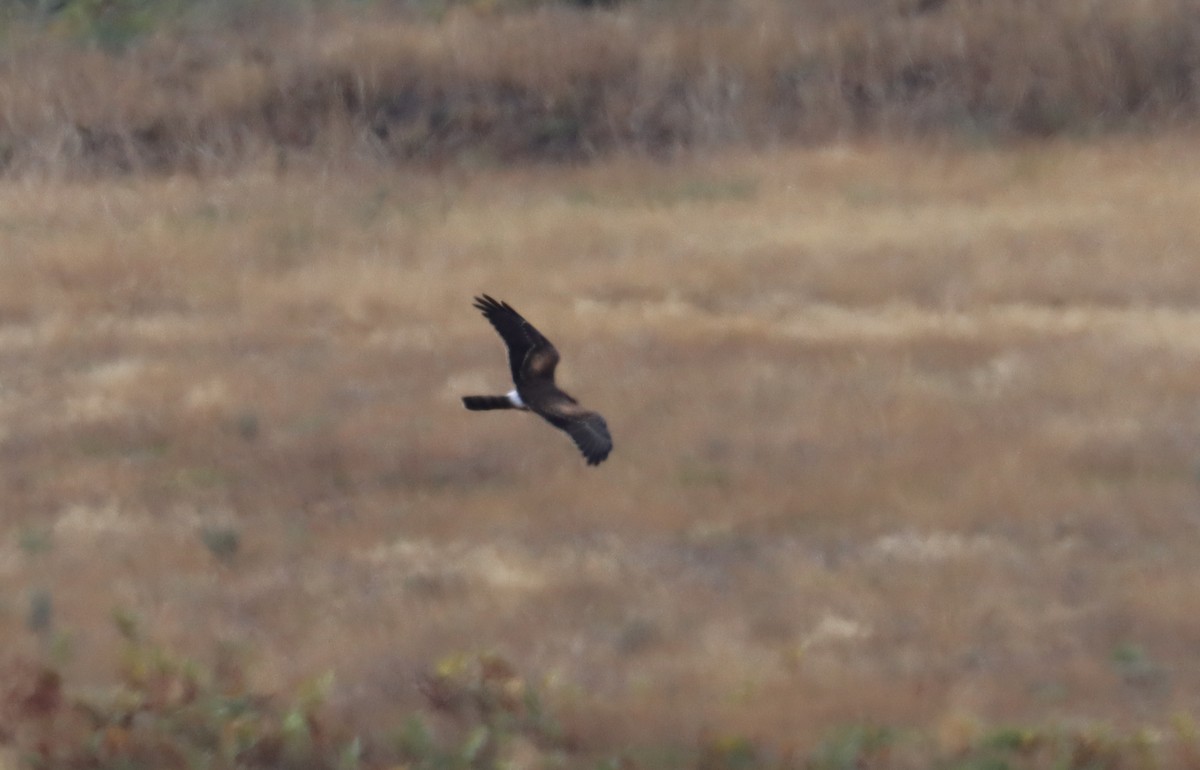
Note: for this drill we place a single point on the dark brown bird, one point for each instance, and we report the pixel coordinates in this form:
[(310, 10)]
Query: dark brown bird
[(533, 359)]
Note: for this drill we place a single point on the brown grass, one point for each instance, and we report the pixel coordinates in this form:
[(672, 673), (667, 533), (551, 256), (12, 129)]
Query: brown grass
[(482, 84), (903, 436)]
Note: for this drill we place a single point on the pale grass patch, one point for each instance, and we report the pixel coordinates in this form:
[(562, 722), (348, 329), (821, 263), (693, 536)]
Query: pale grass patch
[(106, 391), (834, 629), (939, 546), (209, 396), (483, 563), (505, 566), (90, 522), (84, 525)]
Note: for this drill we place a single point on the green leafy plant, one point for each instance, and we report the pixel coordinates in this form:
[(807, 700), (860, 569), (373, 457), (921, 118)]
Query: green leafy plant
[(222, 542)]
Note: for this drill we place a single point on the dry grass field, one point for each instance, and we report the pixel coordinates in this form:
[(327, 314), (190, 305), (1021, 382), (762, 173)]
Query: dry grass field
[(906, 436)]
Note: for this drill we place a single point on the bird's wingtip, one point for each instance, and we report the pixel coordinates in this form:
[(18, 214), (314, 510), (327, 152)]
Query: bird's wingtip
[(599, 457), (488, 303)]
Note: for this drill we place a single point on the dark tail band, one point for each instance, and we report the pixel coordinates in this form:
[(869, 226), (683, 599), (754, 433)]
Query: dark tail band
[(484, 403)]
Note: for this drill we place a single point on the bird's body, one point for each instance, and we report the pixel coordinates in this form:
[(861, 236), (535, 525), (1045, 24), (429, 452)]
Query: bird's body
[(533, 359)]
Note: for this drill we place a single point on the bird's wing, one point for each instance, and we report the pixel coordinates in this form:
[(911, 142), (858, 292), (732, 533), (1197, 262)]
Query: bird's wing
[(587, 429), (530, 354)]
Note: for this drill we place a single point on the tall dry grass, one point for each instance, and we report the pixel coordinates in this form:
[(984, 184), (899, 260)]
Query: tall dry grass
[(339, 84)]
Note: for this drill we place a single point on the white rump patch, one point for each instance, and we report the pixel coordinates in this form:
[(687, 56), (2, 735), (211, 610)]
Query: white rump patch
[(514, 399)]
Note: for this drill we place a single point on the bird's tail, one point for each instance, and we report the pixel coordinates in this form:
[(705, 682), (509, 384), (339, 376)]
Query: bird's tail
[(484, 403)]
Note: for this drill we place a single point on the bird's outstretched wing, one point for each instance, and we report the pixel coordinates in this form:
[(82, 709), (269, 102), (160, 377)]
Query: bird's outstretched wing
[(587, 429), (530, 354), (590, 434)]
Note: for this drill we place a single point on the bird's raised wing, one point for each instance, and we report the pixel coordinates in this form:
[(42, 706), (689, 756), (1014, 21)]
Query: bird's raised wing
[(587, 429), (530, 354)]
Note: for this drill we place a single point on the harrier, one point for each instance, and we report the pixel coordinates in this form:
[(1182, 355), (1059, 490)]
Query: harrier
[(533, 359)]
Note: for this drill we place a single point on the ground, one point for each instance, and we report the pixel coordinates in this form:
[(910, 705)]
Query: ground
[(906, 434)]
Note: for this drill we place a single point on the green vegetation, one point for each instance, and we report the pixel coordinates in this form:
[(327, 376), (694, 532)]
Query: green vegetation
[(167, 711), (222, 542), (170, 712)]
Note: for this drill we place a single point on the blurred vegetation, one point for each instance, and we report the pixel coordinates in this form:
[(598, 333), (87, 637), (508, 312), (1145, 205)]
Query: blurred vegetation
[(134, 85), (116, 24), (170, 711)]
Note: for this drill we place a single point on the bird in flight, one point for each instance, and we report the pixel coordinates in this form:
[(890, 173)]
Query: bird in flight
[(533, 358)]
